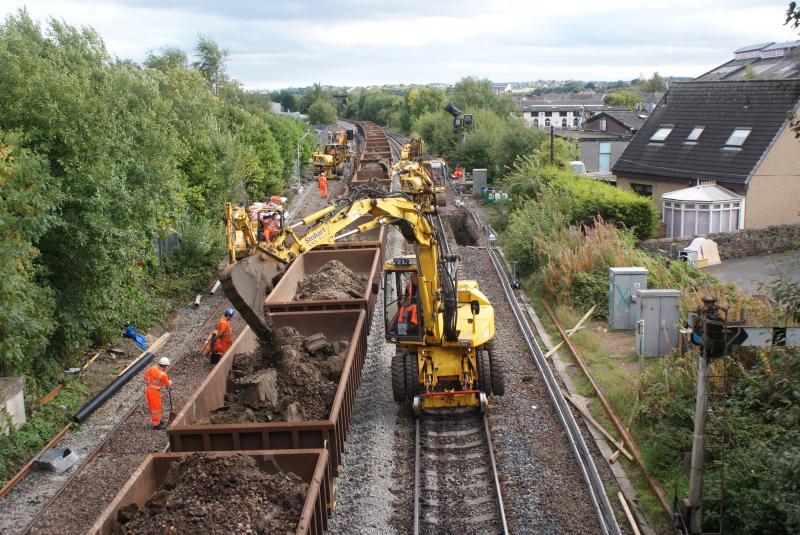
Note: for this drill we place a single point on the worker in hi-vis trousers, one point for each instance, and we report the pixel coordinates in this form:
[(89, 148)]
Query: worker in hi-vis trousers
[(156, 379), (323, 186), (221, 339)]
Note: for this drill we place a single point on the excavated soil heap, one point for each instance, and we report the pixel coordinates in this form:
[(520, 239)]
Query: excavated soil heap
[(333, 281), (217, 495), (294, 380)]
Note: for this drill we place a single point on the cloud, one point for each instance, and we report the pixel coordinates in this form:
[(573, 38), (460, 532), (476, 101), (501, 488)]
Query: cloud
[(360, 42)]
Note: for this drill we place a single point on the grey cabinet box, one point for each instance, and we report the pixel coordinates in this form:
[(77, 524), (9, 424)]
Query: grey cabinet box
[(623, 282), (479, 177), (657, 317)]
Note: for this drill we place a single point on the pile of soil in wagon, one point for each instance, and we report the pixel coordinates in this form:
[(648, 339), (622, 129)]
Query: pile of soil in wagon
[(333, 281), (207, 494), (294, 380)]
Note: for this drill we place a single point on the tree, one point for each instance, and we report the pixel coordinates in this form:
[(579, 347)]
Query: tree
[(627, 99), (169, 58), (422, 100), (28, 197), (287, 99), (656, 84), (212, 61), (322, 112)]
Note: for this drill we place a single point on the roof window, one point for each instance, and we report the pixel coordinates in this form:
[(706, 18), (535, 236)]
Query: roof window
[(661, 134), (737, 138), (694, 135)]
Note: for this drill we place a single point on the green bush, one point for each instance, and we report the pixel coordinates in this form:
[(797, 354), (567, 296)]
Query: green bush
[(591, 198), (625, 208)]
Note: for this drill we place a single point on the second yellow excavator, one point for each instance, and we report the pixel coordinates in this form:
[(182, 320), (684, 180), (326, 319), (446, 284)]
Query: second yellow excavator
[(414, 178), (442, 327)]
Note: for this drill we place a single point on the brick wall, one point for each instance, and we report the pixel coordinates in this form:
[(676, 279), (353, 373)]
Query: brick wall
[(737, 244)]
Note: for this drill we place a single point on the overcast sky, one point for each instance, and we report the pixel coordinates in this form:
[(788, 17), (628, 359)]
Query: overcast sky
[(276, 44)]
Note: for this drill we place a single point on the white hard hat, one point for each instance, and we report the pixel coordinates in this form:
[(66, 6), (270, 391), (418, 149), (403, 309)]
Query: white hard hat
[(163, 361)]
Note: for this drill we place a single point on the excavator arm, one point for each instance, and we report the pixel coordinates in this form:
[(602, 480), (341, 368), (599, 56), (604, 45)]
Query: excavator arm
[(248, 281)]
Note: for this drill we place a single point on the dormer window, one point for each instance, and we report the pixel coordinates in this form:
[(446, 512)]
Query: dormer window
[(737, 138), (661, 134)]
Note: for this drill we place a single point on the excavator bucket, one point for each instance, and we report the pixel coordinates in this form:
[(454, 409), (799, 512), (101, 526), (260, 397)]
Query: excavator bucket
[(247, 283)]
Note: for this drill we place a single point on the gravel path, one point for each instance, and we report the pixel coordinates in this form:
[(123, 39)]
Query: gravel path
[(365, 487)]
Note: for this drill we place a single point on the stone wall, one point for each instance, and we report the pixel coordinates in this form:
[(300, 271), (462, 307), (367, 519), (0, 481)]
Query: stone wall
[(736, 244)]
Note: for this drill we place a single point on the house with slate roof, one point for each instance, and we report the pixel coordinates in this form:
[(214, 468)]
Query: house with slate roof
[(736, 134)]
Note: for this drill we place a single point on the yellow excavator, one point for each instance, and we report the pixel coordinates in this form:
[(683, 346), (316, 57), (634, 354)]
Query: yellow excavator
[(442, 327), (333, 155), (415, 180), (246, 227)]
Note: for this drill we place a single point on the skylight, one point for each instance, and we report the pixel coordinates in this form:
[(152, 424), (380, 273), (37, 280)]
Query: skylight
[(661, 134), (738, 137), (695, 133)]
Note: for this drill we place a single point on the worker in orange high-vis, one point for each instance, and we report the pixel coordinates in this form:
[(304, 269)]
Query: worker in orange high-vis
[(323, 186), (221, 339), (407, 321), (156, 380)]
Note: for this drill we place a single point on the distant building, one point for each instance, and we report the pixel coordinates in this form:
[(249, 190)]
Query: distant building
[(732, 133), (502, 87), (615, 121), (599, 151), (766, 61)]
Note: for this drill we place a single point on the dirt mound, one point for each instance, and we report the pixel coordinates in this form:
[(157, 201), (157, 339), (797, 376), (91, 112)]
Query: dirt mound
[(205, 494), (333, 281), (293, 383)]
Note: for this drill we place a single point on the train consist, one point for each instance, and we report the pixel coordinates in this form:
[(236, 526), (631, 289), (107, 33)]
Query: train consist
[(374, 163)]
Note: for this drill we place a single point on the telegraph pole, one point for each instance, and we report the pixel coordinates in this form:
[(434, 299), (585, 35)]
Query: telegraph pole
[(551, 144)]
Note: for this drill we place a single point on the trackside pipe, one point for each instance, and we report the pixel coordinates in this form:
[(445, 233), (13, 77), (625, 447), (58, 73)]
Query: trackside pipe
[(112, 389)]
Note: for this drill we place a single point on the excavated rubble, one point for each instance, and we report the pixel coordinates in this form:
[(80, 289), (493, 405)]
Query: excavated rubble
[(206, 494), (332, 281), (293, 380)]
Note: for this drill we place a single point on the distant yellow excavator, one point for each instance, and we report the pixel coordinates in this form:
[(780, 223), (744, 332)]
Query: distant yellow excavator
[(333, 155), (442, 327), (246, 227), (415, 180)]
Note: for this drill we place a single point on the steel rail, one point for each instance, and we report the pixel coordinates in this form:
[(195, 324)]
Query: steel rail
[(605, 513)]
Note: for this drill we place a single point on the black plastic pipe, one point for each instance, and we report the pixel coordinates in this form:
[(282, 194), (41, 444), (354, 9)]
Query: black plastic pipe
[(112, 389)]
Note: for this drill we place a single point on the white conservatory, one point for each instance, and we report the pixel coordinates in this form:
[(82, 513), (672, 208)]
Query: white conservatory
[(702, 210)]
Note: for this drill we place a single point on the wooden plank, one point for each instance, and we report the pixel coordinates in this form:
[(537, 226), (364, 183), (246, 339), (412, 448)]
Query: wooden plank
[(614, 457), (154, 346), (599, 427), (89, 362), (655, 486), (578, 326), (628, 514), (47, 398), (19, 476)]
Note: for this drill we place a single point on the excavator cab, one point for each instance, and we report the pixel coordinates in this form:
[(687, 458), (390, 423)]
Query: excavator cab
[(402, 307)]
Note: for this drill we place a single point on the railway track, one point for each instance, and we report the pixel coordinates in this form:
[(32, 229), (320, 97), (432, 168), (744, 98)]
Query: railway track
[(456, 484)]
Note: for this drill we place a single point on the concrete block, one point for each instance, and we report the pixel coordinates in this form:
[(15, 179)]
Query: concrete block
[(13, 402), (57, 460)]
